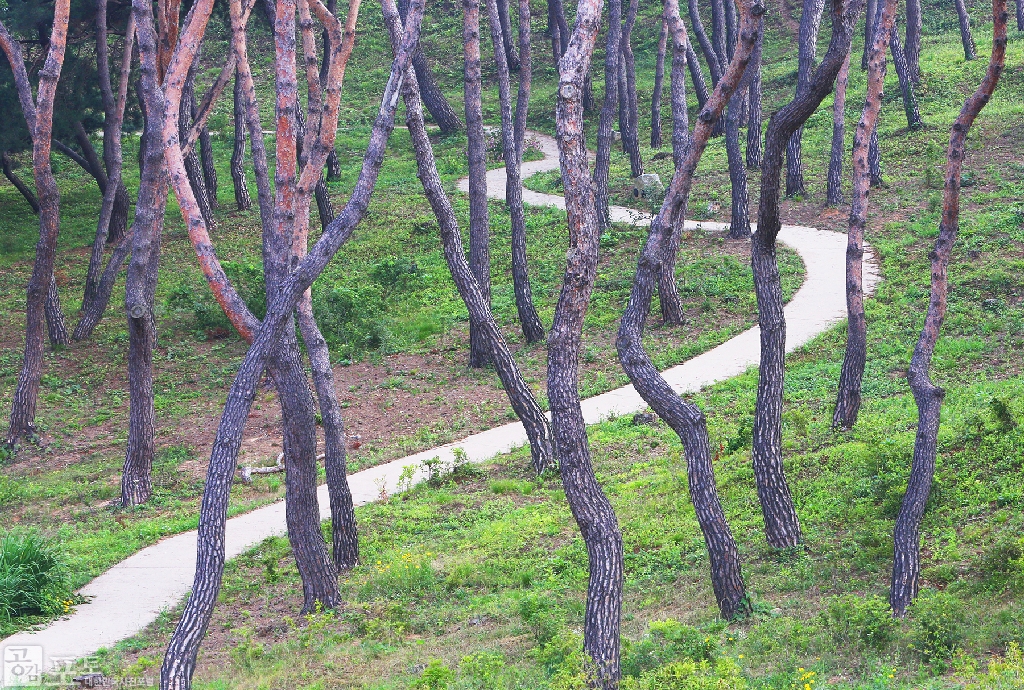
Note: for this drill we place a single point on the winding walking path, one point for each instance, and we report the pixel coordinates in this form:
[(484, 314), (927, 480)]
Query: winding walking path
[(129, 596)]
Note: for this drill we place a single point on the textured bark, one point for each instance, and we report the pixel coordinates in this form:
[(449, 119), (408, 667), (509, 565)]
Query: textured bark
[(18, 183), (56, 325), (782, 528), (739, 220), (533, 331), (193, 166), (700, 87), (848, 397), (875, 161), (324, 207), (753, 154), (810, 23), (1020, 15), (180, 658), (206, 158), (870, 15), (93, 311), (659, 81), (38, 115), (560, 28), (970, 52), (834, 184), (906, 570), (913, 42), (630, 131), (706, 44), (684, 417), (589, 505), (605, 135), (242, 199), (899, 61), (525, 80), (520, 396), (511, 57), (92, 161), (440, 110)]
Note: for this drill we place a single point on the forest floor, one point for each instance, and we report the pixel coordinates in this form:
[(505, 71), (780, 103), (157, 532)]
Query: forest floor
[(484, 575)]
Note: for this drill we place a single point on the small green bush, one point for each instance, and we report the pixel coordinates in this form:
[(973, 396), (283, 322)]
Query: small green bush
[(938, 620), (723, 674), (667, 641), (864, 621), (1003, 674), (436, 676), (484, 671), (33, 579)]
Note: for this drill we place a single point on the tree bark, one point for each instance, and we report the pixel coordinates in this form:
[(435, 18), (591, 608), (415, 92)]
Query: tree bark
[(511, 58), (659, 80), (782, 527), (630, 133), (739, 220), (753, 153), (437, 105), (684, 417), (38, 115), (700, 86), (875, 161), (193, 166), (589, 505), (605, 135), (56, 325), (970, 52), (852, 373), (93, 310), (180, 658), (19, 184), (906, 569), (1020, 15), (913, 43), (899, 61), (810, 23), (870, 15), (834, 188), (242, 199), (533, 331)]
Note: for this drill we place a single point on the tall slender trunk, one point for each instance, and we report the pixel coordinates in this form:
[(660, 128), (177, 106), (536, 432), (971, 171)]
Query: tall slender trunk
[(906, 567), (437, 105), (19, 184), (1020, 15), (659, 81), (605, 135), (533, 331), (242, 199), (753, 153), (810, 22), (38, 115), (870, 15), (93, 310), (193, 166), (589, 505), (834, 188), (700, 86), (630, 133), (970, 52), (716, 64), (739, 220), (848, 397), (913, 43), (899, 61), (684, 417), (511, 57), (782, 527), (56, 325), (875, 161)]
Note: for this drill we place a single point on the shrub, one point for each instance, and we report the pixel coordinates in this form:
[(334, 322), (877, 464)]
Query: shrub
[(937, 625), (33, 578), (484, 670), (436, 676), (865, 622), (1003, 674), (723, 674), (667, 641), (1002, 564), (542, 615), (352, 320)]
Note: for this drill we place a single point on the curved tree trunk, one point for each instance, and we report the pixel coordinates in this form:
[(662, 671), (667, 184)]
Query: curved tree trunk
[(590, 507), (93, 310), (913, 42), (754, 100), (906, 568), (659, 81), (810, 22), (834, 185), (19, 184), (782, 527), (848, 397), (700, 86), (970, 52), (193, 166), (533, 331), (605, 135), (242, 199), (899, 61), (38, 114)]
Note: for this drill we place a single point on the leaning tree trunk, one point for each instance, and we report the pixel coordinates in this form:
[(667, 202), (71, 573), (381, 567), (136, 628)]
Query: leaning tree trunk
[(970, 52), (630, 133), (56, 325), (700, 86), (685, 418), (590, 507), (242, 199), (834, 185), (19, 184), (605, 135), (782, 527), (437, 105), (533, 331), (906, 568), (848, 397), (324, 207), (899, 61), (810, 22), (193, 166), (913, 43), (479, 223), (38, 115), (659, 81), (1020, 15), (506, 35), (716, 62), (754, 101)]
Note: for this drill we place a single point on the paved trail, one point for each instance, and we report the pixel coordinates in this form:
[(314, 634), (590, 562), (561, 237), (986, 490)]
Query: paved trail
[(129, 596)]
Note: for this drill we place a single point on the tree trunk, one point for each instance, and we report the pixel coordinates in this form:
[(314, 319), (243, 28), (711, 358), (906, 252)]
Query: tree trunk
[(92, 311), (870, 14), (848, 397), (906, 568), (1020, 15), (56, 325), (192, 164), (875, 161), (437, 105), (834, 189), (899, 61), (511, 58), (630, 133), (242, 199), (739, 221), (605, 135), (810, 22), (323, 197), (209, 171), (685, 418), (706, 44), (92, 161), (970, 52), (39, 116), (18, 183), (533, 331), (590, 507), (659, 80), (700, 86), (754, 101), (913, 43), (782, 527)]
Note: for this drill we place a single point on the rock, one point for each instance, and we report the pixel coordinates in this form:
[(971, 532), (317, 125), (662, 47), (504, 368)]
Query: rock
[(645, 418), (647, 186)]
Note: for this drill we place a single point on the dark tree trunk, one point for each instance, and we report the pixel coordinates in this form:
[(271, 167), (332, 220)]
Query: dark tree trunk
[(754, 101), (533, 331), (906, 568), (899, 61), (605, 135), (706, 44), (782, 527), (591, 508), (18, 183), (700, 86), (913, 43), (437, 105), (848, 397), (479, 221), (970, 52), (242, 199), (1020, 15), (323, 197), (209, 171), (685, 418), (38, 115), (870, 15), (834, 188), (92, 161), (810, 22), (192, 164), (659, 81), (875, 161), (511, 58), (739, 222), (93, 310), (719, 35), (56, 325), (630, 133), (525, 80)]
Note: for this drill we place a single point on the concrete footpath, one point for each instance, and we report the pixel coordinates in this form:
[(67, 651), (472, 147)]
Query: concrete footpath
[(129, 596)]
